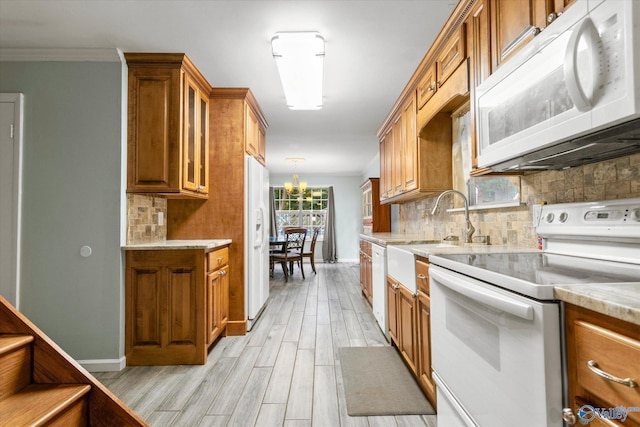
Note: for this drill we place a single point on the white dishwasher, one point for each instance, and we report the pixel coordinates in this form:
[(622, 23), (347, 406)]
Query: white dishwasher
[(379, 282)]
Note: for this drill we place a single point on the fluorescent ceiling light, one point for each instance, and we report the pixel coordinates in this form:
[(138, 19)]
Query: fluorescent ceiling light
[(300, 58)]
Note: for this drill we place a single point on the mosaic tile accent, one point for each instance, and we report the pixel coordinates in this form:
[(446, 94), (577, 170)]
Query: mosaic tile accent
[(610, 179), (142, 219)]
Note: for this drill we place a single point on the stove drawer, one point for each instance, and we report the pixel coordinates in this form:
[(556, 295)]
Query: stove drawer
[(601, 352)]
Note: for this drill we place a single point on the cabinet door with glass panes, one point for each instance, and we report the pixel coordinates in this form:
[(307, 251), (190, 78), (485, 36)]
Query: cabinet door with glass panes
[(375, 217)]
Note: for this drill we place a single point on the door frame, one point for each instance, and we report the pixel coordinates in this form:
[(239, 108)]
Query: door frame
[(13, 287)]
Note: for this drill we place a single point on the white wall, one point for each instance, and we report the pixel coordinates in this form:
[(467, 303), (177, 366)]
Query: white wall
[(72, 197), (348, 204)]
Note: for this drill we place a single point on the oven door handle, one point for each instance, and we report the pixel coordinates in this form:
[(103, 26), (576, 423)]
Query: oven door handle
[(484, 296)]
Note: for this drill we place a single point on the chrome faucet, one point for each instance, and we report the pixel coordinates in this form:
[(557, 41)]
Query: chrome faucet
[(468, 232)]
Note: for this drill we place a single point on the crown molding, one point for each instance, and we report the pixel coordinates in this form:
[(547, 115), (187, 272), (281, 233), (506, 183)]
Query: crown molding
[(64, 55)]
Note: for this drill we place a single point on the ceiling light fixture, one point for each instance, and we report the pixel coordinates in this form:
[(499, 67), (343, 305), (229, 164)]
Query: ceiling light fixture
[(300, 60), (296, 187)]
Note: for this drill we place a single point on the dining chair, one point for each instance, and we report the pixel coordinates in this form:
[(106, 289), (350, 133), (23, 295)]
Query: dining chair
[(312, 247), (291, 251)]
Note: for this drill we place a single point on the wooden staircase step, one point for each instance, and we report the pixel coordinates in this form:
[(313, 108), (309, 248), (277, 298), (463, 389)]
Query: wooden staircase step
[(46, 404), (10, 342), (15, 363)]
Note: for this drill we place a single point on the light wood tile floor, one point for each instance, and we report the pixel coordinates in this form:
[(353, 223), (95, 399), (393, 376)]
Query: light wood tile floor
[(285, 372)]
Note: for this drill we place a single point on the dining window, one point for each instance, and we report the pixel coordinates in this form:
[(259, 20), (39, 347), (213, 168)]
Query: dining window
[(308, 210)]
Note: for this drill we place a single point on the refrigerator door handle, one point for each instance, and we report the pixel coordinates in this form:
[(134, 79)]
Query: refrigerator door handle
[(259, 237)]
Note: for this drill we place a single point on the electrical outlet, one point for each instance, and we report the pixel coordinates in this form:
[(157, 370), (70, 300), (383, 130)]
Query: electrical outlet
[(161, 218)]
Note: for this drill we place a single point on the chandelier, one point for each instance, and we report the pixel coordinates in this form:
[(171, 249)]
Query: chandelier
[(296, 186)]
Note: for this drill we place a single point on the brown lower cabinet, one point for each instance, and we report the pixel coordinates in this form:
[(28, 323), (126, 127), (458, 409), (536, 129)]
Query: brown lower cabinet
[(599, 346), (408, 316), (176, 304), (365, 270)]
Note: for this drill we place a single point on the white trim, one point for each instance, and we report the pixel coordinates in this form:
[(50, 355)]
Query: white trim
[(104, 365), (18, 131), (65, 55)]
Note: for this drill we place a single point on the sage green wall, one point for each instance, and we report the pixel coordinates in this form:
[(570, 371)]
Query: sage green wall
[(72, 189), (348, 200)]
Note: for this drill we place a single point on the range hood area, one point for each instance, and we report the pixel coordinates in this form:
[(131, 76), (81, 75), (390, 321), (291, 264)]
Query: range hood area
[(570, 97), (617, 141)]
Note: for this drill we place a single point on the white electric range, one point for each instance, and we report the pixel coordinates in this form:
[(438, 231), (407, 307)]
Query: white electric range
[(497, 329)]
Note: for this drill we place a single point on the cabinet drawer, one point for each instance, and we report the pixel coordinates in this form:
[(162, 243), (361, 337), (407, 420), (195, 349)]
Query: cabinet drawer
[(613, 353), (422, 276), (217, 258), (427, 86), (365, 247)]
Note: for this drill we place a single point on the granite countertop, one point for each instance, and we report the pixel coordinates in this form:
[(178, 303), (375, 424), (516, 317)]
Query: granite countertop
[(178, 244), (384, 239), (619, 300)]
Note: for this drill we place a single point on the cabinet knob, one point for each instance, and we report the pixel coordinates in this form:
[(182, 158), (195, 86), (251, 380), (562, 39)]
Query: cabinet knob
[(552, 17), (568, 416)]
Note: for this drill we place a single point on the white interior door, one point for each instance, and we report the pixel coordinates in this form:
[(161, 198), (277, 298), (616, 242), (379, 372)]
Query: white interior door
[(10, 194)]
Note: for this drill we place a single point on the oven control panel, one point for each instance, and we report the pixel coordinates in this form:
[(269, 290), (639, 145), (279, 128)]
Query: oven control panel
[(610, 218)]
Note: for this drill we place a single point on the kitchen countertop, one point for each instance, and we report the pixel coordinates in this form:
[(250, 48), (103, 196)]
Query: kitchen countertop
[(621, 301), (178, 244), (385, 239)]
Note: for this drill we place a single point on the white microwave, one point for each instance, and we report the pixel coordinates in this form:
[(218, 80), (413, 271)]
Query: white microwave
[(569, 97)]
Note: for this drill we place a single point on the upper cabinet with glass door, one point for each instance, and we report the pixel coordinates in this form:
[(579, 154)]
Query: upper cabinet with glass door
[(168, 135)]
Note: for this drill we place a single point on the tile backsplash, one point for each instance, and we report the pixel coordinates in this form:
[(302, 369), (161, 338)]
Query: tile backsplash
[(142, 219), (610, 179)]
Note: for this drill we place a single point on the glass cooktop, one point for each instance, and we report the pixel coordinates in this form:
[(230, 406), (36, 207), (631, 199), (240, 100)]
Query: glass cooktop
[(536, 273)]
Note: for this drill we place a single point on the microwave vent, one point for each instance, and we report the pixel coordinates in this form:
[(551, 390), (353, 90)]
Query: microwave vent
[(616, 141)]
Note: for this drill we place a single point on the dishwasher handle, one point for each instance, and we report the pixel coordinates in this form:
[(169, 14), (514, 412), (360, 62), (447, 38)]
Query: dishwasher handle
[(485, 296)]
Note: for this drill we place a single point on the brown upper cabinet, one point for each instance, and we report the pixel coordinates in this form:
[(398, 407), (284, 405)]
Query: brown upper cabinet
[(479, 51), (514, 23), (376, 218), (447, 61), (168, 126), (480, 35), (255, 142)]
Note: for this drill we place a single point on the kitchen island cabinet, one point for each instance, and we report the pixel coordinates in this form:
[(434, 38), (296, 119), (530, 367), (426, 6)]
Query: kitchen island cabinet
[(168, 126), (174, 302)]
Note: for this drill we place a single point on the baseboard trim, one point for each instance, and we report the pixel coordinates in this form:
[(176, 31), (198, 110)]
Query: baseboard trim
[(236, 327), (104, 365)]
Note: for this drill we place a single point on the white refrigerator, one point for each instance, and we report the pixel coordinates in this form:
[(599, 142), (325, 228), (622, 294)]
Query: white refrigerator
[(256, 250)]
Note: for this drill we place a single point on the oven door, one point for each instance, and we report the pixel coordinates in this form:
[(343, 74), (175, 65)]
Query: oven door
[(496, 352)]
